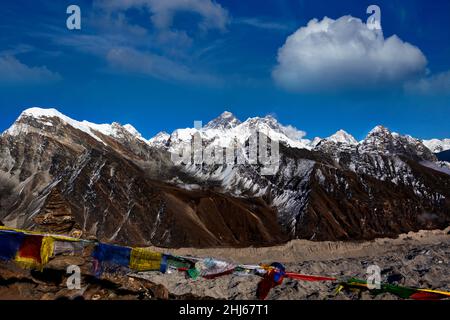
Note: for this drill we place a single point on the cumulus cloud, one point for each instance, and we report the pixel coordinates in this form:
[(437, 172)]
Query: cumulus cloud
[(329, 55), (149, 64), (434, 84), (293, 133), (213, 15), (13, 71)]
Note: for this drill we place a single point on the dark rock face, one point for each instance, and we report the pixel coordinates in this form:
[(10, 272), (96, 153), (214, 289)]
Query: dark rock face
[(380, 139), (347, 206), (56, 177), (62, 180), (348, 194)]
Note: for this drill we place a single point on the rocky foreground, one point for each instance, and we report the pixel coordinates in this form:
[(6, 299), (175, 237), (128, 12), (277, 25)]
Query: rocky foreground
[(415, 259)]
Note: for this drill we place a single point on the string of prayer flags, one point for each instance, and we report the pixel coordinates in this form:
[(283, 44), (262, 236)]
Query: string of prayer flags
[(400, 291), (34, 250), (113, 258)]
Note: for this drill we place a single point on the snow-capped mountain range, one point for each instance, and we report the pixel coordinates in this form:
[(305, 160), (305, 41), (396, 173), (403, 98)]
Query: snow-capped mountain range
[(223, 130), (226, 128), (107, 181)]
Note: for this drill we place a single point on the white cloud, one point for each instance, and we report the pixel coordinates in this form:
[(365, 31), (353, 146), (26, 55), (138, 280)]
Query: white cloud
[(329, 55), (293, 133), (435, 84), (12, 71), (213, 15), (149, 64)]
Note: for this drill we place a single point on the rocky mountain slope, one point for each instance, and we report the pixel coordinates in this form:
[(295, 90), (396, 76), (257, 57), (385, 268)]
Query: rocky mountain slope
[(104, 181), (107, 181)]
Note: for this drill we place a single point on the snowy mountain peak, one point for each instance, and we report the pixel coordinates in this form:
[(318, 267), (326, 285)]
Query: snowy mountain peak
[(37, 112), (437, 145), (226, 120), (226, 114), (381, 139), (267, 121), (315, 142), (377, 135), (160, 139), (132, 130), (342, 136), (379, 130), (226, 130), (45, 117)]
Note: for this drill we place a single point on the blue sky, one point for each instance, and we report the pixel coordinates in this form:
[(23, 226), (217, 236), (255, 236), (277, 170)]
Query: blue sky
[(160, 65)]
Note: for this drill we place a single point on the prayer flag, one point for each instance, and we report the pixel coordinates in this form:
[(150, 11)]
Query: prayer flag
[(145, 260), (10, 243)]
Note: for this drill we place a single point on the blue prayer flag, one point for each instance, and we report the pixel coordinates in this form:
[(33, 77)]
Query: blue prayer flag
[(10, 243)]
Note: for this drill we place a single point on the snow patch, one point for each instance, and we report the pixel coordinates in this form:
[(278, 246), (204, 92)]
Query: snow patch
[(437, 145), (343, 137)]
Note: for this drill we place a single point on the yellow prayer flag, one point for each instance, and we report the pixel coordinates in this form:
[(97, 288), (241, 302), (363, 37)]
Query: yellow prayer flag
[(145, 260), (46, 249)]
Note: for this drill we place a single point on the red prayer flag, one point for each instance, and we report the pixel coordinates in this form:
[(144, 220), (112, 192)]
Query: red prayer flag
[(30, 250), (303, 277)]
